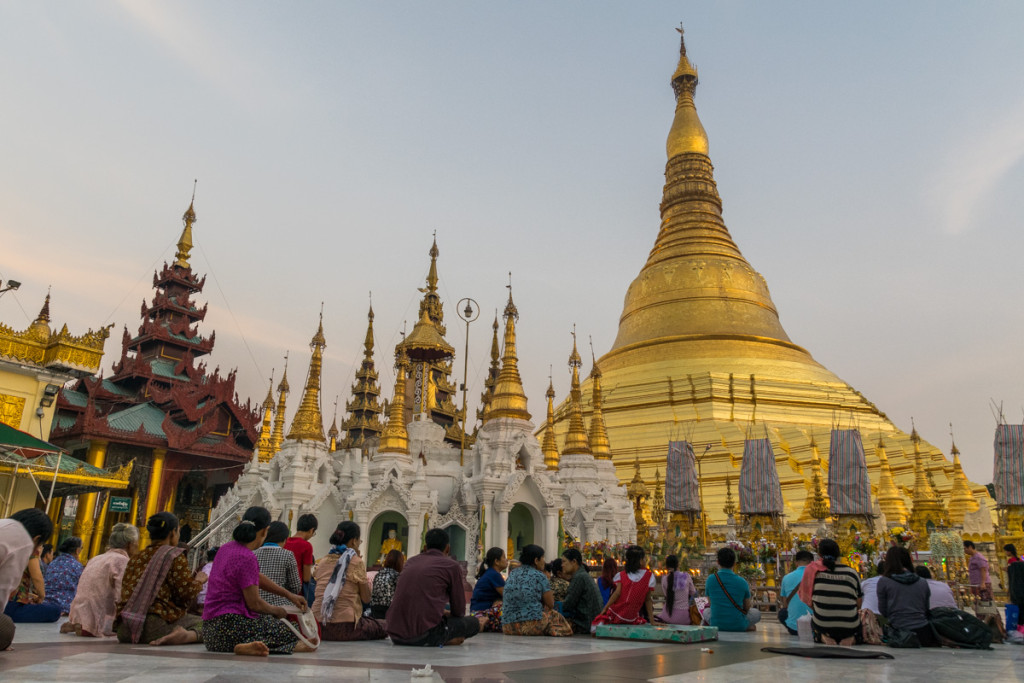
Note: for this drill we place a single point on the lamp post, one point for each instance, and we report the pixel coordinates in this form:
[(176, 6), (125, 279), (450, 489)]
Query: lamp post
[(470, 313), (11, 285), (700, 493)]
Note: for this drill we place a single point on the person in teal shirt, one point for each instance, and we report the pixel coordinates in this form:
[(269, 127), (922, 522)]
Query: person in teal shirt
[(730, 597), (795, 607)]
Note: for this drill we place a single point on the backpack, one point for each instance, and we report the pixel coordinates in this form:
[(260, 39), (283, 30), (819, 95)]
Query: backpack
[(956, 628)]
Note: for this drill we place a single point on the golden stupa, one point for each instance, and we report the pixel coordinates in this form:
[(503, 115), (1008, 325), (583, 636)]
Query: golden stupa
[(701, 354)]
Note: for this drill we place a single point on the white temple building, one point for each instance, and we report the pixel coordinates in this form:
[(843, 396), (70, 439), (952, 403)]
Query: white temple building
[(408, 475)]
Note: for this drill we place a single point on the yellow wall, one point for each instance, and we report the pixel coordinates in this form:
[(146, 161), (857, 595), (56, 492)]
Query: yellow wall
[(21, 388)]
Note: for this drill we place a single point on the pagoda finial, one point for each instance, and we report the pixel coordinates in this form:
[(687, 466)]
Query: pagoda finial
[(961, 498), (509, 398), (277, 436), (548, 446), (395, 438), (890, 502), (576, 441), (264, 445), (492, 374), (185, 241), (687, 134), (332, 433), (364, 409), (599, 444), (308, 423)]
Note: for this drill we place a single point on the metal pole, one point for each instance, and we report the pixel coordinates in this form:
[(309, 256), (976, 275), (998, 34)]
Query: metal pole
[(700, 490), (469, 314), (10, 491), (53, 483)]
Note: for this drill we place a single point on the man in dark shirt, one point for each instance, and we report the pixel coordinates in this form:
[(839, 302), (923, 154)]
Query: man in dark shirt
[(428, 582), (582, 601)]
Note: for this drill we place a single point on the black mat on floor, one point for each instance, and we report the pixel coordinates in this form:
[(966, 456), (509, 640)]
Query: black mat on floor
[(828, 652)]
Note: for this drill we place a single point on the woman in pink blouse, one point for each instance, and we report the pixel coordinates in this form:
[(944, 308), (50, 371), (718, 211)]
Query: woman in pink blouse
[(93, 609)]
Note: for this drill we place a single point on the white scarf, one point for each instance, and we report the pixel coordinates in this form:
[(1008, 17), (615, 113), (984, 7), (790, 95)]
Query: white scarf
[(336, 583)]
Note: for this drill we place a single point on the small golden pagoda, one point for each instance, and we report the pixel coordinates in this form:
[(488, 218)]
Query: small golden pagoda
[(264, 447), (890, 501), (700, 342), (548, 445), (364, 409), (395, 437), (816, 505), (492, 375), (961, 500), (277, 434), (927, 513), (308, 423), (508, 398)]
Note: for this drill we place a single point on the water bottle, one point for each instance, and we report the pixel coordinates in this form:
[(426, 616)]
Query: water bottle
[(803, 629)]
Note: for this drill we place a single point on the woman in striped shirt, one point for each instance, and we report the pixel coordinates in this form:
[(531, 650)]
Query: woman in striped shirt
[(835, 599)]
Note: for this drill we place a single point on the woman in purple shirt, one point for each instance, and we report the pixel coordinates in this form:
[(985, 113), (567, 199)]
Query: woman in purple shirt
[(235, 618)]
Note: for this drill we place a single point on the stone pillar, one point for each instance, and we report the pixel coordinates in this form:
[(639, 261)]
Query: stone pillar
[(86, 514), (415, 532), (156, 473), (550, 543), (500, 536)]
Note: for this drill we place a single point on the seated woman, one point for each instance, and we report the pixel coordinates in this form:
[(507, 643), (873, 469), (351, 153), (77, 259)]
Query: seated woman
[(63, 573), (490, 584), (21, 537), (235, 617), (634, 587), (679, 592), (527, 601), (27, 604), (342, 589), (606, 582), (384, 584), (95, 605), (157, 589), (836, 598), (903, 597)]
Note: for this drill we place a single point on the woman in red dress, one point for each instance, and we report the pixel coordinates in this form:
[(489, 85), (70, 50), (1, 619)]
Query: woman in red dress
[(631, 601)]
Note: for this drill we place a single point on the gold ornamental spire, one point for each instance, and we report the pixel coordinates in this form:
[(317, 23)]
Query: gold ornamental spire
[(364, 409), (395, 438), (598, 438), (730, 505), (816, 505), (923, 490), (961, 499), (492, 374), (185, 241), (696, 285), (890, 502), (264, 449), (277, 435), (509, 399), (927, 512), (687, 134), (576, 438), (332, 433), (431, 302), (548, 446), (308, 423)]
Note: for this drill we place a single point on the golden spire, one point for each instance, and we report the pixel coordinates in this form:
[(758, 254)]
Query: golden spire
[(492, 374), (816, 505), (431, 302), (509, 399), (599, 444), (687, 135), (277, 436), (332, 433), (696, 285), (364, 409), (927, 512), (185, 241), (890, 502), (961, 499), (308, 422), (395, 438), (576, 438), (658, 514), (730, 504), (548, 446), (40, 330), (264, 446)]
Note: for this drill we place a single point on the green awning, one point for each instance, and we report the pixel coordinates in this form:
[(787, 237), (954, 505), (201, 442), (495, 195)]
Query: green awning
[(24, 444)]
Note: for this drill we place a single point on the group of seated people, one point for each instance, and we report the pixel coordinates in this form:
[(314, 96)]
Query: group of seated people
[(240, 601)]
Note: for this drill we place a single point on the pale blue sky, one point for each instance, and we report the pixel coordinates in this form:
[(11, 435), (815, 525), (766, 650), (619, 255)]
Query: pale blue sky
[(869, 156)]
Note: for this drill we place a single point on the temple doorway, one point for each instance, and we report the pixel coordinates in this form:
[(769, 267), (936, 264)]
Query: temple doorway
[(520, 527), (387, 521), (458, 540)]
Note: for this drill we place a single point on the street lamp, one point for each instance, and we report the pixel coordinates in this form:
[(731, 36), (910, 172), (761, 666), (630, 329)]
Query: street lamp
[(700, 492), (11, 285), (470, 313)]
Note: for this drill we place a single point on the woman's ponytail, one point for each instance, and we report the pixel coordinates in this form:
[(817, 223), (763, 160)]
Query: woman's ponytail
[(253, 521), (493, 555), (671, 564)]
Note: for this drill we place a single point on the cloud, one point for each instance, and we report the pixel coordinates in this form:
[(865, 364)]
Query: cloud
[(973, 171)]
